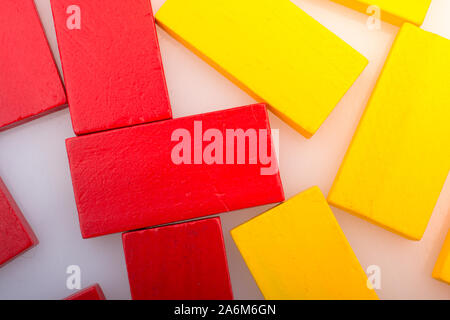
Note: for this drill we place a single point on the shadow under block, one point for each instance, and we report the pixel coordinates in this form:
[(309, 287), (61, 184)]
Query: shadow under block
[(298, 251), (184, 261), (399, 157), (395, 12), (93, 292), (133, 178), (442, 268), (272, 50), (29, 81), (16, 235), (112, 64)]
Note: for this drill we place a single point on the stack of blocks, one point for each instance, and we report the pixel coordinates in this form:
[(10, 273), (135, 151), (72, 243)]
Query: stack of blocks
[(128, 88), (120, 160), (135, 170)]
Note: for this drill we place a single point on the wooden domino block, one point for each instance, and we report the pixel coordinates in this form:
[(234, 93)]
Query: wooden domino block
[(166, 171), (178, 262), (399, 158), (93, 292), (111, 62), (272, 50), (298, 251), (442, 268), (16, 235), (29, 81), (396, 12)]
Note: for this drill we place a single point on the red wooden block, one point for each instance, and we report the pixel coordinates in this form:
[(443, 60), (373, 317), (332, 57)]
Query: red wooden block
[(16, 235), (93, 292), (29, 81), (178, 262), (111, 63), (131, 178)]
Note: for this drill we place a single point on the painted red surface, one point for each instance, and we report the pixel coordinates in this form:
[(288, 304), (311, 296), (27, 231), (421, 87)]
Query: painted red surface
[(29, 81), (184, 261), (93, 292), (16, 235), (112, 64), (126, 179)]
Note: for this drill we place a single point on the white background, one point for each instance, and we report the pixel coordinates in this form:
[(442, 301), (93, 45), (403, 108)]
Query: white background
[(33, 163)]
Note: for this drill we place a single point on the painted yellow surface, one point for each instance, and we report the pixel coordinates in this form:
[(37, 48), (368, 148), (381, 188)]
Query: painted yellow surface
[(399, 157), (298, 251), (271, 49), (442, 268), (396, 12)]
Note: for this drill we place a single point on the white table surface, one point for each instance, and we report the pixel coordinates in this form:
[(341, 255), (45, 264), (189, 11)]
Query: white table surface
[(33, 163)]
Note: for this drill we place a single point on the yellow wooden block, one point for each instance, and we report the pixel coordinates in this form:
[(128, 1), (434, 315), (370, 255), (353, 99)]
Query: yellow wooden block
[(396, 12), (399, 158), (442, 268), (271, 49), (298, 251)]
